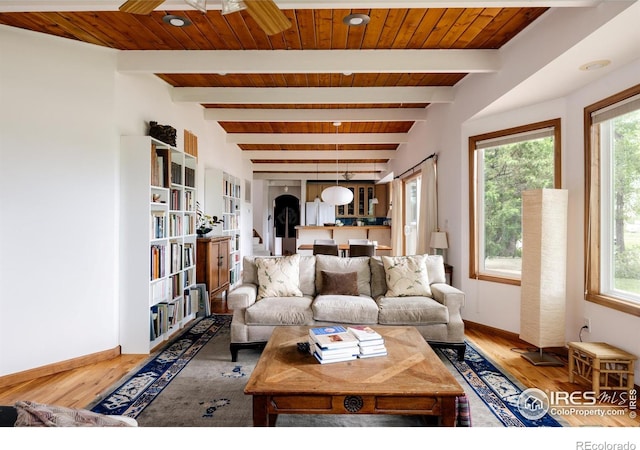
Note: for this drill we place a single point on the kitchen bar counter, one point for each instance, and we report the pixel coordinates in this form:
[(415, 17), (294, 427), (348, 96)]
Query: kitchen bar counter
[(308, 234)]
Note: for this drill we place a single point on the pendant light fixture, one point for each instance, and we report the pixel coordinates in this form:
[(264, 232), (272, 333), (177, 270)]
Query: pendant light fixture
[(317, 199), (374, 200), (337, 195)]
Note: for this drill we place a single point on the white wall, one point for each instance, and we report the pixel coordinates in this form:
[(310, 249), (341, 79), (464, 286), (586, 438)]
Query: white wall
[(58, 191), (64, 108), (447, 131)]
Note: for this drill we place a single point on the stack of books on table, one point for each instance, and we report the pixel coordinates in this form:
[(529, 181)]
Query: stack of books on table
[(370, 342), (333, 344)]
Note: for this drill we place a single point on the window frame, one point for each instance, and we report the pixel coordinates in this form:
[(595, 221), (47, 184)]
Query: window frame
[(592, 210), (474, 264)]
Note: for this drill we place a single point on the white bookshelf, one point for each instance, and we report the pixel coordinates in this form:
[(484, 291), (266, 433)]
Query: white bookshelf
[(231, 195), (157, 242)]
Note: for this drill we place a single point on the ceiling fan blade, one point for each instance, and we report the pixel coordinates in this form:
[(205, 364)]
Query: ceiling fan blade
[(267, 14), (140, 6)]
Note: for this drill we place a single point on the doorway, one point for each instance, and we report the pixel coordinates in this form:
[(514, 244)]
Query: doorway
[(286, 213)]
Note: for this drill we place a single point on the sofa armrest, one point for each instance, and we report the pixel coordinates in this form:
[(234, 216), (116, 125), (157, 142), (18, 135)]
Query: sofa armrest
[(243, 296), (449, 296)]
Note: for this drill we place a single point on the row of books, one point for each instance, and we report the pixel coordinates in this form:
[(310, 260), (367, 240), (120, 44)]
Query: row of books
[(166, 315), (231, 189), (337, 343), (189, 177), (176, 226), (157, 261), (176, 173), (158, 158)]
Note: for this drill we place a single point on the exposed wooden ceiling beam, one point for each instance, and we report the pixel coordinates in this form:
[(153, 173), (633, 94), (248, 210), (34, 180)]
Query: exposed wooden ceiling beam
[(317, 155), (421, 94), (309, 61), (316, 115), (311, 168), (317, 138)]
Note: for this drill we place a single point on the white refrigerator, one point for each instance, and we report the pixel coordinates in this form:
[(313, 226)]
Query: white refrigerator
[(320, 213)]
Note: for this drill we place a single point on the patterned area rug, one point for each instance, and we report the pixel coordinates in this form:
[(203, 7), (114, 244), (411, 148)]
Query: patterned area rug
[(192, 382), (497, 390)]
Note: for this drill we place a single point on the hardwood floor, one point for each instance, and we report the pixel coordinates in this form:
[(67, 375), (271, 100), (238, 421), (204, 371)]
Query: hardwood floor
[(81, 387)]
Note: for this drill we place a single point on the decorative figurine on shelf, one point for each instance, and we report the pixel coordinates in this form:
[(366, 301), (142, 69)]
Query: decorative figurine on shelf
[(164, 133), (205, 222)]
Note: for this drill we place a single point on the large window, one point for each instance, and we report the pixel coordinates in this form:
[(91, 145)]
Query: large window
[(412, 205), (612, 133), (502, 164)]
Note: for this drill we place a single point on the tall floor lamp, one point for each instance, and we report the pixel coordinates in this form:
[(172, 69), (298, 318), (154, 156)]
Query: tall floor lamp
[(544, 265)]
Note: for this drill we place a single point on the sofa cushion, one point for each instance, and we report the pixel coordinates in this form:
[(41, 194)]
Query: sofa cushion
[(279, 277), (307, 273), (280, 311), (412, 310), (435, 269), (406, 275), (339, 283), (345, 309), (378, 282), (339, 264)]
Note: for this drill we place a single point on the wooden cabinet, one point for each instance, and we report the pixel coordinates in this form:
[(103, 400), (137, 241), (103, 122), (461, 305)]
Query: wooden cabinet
[(361, 205), (381, 209), (212, 267)]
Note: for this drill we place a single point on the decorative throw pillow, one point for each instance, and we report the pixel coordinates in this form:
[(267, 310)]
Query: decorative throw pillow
[(406, 276), (279, 277), (359, 264), (339, 283)]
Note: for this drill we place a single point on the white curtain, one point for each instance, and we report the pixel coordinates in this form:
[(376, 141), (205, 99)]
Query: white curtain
[(428, 213), (397, 222)]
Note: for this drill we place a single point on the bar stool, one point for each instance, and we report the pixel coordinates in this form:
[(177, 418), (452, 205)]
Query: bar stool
[(325, 249), (362, 250)]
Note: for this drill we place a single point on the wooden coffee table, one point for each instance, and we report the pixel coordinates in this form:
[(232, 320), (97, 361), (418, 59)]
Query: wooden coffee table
[(410, 380)]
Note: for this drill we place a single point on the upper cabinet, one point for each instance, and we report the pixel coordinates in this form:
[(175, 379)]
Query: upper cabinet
[(362, 204)]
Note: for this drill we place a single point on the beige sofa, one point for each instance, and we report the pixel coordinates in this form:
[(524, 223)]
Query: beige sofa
[(363, 297)]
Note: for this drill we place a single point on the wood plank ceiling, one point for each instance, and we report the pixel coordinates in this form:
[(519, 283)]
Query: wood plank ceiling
[(280, 94)]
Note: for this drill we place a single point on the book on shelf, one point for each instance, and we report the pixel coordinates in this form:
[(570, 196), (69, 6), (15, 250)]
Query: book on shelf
[(176, 173), (332, 337), (364, 332), (201, 299), (189, 177)]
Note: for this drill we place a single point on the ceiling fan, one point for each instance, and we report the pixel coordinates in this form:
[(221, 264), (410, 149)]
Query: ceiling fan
[(265, 12)]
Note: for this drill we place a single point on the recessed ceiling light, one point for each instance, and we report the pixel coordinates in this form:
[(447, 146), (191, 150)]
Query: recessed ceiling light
[(176, 21), (356, 20), (595, 65), (346, 74)]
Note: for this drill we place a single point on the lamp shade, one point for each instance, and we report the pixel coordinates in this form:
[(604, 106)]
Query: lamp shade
[(544, 262), (439, 240), (337, 195)]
